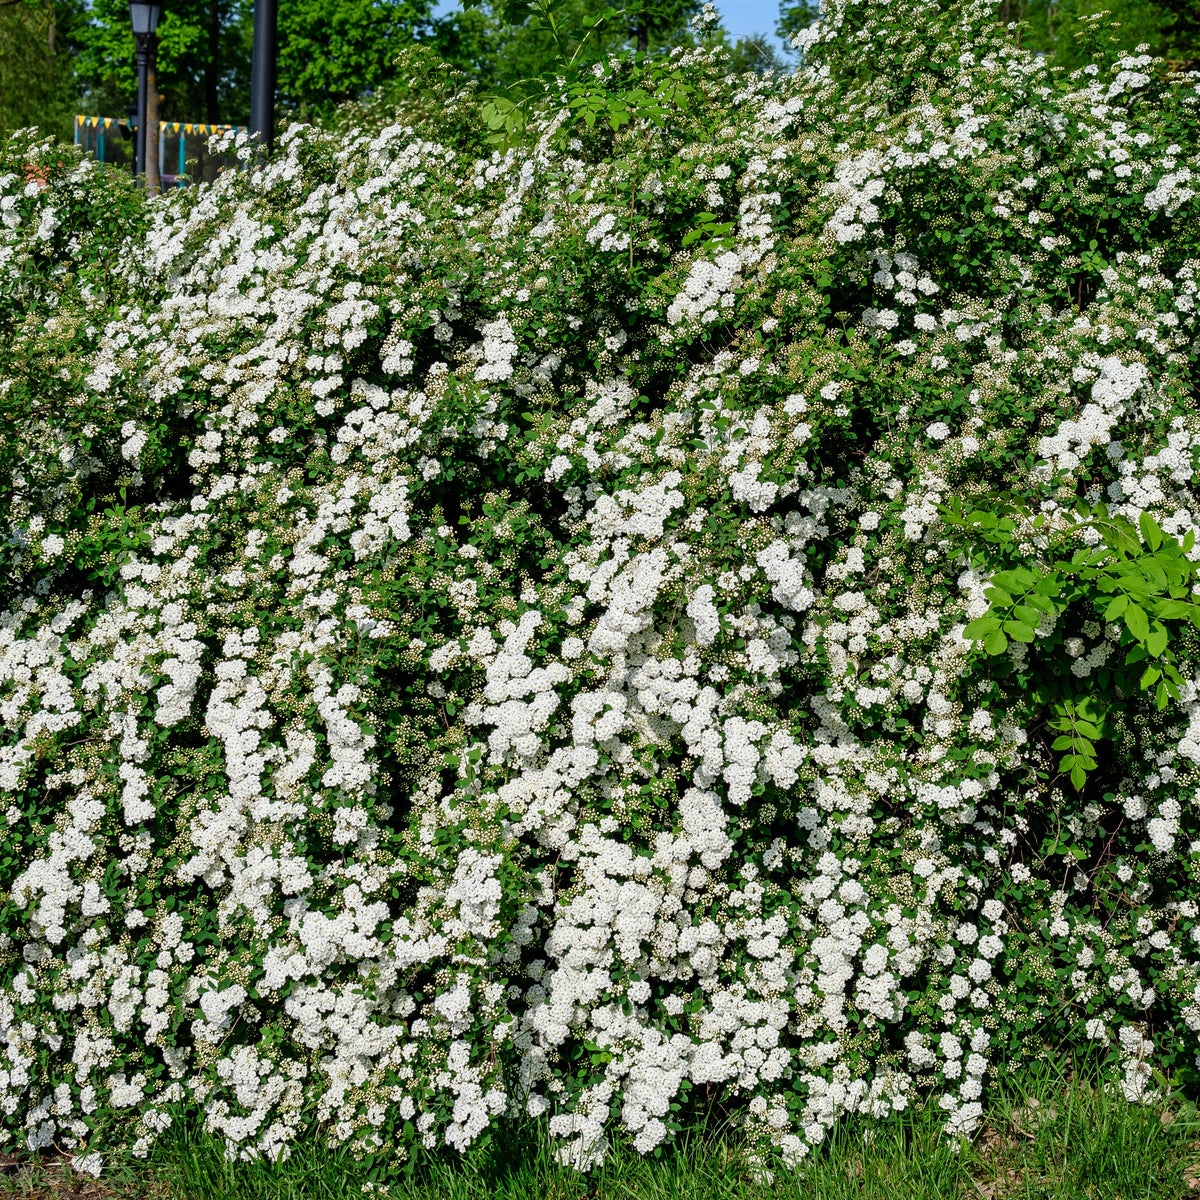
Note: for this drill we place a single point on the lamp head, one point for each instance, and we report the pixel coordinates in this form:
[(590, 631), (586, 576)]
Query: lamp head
[(144, 16)]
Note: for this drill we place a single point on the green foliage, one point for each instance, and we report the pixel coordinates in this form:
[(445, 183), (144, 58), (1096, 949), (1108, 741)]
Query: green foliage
[(335, 50), (1136, 579), (95, 211), (202, 65), (613, 95), (35, 78), (434, 98), (328, 53), (531, 39), (755, 53), (519, 58), (1068, 29)]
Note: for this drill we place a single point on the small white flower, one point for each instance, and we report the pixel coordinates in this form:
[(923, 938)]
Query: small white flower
[(88, 1164)]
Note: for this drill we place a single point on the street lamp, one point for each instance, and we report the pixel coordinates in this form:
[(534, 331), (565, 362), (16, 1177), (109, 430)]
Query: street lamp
[(262, 72), (144, 18)]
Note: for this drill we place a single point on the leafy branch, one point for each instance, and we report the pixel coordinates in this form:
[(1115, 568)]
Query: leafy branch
[(589, 97), (1133, 576)]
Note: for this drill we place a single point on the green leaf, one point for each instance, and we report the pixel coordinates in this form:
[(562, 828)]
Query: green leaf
[(1151, 534), (998, 598), (995, 642), (1137, 622), (1116, 607), (1173, 610), (1156, 639), (1021, 579), (1019, 631), (1078, 777), (979, 628), (1155, 573), (1050, 586), (1149, 678), (1042, 604)]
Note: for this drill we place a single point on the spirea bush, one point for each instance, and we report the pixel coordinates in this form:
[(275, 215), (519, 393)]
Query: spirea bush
[(591, 628)]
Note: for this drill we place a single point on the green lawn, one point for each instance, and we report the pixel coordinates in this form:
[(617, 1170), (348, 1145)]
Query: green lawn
[(1048, 1140)]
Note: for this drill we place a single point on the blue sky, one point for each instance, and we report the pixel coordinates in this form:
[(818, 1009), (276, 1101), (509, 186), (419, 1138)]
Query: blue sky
[(741, 17), (749, 16)]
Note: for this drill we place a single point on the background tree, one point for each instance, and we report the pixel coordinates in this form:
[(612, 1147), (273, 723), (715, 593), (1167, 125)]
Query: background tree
[(757, 52), (1182, 30), (644, 20), (59, 56), (203, 60), (1051, 27), (795, 15), (1171, 28), (335, 50), (470, 40), (37, 83), (526, 38)]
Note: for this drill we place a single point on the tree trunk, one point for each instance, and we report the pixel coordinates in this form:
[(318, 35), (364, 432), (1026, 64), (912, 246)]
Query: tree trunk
[(153, 182), (643, 37), (212, 68)]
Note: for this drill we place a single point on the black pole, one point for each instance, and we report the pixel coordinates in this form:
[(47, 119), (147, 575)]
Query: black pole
[(262, 73), (139, 137)]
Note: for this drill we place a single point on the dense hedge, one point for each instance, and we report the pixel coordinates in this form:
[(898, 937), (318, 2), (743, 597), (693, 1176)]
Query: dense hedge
[(512, 633)]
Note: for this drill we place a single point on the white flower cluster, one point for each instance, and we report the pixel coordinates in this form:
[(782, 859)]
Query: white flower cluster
[(516, 667)]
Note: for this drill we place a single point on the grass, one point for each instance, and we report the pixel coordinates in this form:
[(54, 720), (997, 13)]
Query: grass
[(1047, 1140)]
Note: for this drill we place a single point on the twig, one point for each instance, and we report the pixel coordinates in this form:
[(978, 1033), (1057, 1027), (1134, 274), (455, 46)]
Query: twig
[(632, 198)]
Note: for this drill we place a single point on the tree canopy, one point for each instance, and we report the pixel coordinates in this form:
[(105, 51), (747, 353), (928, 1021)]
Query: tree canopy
[(59, 56)]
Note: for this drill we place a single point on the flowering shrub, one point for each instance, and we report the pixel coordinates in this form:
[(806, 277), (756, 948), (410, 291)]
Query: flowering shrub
[(470, 646)]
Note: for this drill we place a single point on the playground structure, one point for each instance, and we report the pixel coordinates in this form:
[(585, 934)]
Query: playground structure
[(183, 155)]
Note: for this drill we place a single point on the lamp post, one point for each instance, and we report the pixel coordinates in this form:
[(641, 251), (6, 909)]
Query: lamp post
[(262, 73), (144, 17)]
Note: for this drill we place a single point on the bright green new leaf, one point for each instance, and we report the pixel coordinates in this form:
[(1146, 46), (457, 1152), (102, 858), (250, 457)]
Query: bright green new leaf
[(1137, 622), (1116, 608), (1156, 639), (1151, 534), (1019, 631), (981, 626)]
